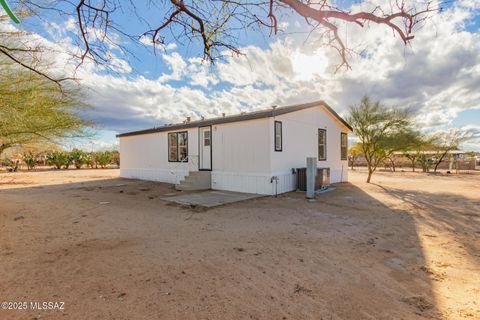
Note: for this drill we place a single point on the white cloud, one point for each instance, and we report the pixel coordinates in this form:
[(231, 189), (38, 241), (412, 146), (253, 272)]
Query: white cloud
[(145, 40), (92, 144), (283, 25), (177, 65), (171, 46), (200, 73), (307, 67)]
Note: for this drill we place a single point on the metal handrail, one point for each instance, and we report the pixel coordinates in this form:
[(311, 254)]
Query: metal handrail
[(186, 160)]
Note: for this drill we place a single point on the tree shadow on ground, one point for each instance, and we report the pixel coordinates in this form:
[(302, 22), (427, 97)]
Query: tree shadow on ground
[(445, 212)]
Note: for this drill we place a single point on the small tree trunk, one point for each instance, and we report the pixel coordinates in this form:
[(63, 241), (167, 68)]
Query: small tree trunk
[(370, 172), (393, 164), (439, 161), (413, 164)]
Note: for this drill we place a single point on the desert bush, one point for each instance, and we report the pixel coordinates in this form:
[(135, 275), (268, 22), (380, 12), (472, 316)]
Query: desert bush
[(90, 159), (115, 158), (103, 159), (426, 162), (12, 165), (69, 160), (30, 159), (79, 158), (58, 159)]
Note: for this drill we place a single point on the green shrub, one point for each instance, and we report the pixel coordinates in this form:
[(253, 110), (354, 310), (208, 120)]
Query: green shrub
[(115, 158), (103, 159), (30, 160), (90, 159), (69, 160), (78, 157), (58, 159), (12, 166), (426, 162)]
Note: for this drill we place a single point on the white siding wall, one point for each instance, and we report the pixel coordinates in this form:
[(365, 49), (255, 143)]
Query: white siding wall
[(300, 140), (241, 156), (146, 157)]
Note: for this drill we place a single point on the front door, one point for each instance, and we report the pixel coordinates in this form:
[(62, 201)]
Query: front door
[(205, 149)]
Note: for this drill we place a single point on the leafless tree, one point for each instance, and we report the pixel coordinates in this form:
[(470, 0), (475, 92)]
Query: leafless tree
[(216, 25)]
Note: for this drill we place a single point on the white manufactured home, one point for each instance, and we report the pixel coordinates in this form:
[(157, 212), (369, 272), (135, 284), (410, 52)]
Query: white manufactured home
[(256, 152)]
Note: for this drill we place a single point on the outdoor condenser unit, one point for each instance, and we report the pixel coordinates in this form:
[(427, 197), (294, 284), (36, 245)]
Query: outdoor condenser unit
[(322, 180)]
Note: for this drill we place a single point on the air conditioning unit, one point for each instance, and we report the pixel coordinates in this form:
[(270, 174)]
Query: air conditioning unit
[(322, 179)]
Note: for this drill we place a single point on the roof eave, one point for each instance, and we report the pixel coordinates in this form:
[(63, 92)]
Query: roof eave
[(241, 117)]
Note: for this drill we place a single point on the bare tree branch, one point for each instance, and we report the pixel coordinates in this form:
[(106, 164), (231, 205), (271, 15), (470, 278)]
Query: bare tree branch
[(7, 52), (215, 26)]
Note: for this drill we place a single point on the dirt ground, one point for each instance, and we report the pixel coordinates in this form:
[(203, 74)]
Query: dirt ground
[(405, 247)]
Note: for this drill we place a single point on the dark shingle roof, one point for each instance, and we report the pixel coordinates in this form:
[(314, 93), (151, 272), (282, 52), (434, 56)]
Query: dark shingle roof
[(269, 113)]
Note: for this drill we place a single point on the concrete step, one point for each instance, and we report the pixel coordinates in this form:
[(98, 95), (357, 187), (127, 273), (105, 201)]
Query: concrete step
[(199, 173), (196, 180), (189, 187)]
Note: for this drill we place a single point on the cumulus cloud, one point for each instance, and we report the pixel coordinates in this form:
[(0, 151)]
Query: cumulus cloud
[(92, 145), (177, 66), (473, 141)]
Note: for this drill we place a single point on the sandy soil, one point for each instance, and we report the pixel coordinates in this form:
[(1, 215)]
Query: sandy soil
[(405, 247)]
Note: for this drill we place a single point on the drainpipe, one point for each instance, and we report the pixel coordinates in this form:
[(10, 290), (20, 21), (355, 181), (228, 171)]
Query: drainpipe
[(275, 178)]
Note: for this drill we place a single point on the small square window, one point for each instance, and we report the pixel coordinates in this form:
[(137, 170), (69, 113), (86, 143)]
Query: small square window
[(206, 138)]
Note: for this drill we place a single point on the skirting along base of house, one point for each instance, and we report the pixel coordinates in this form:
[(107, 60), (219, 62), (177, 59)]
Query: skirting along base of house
[(263, 183), (233, 181), (253, 182), (160, 175)]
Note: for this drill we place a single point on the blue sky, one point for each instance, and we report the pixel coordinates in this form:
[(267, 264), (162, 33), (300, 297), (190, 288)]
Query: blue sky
[(437, 76), (466, 118)]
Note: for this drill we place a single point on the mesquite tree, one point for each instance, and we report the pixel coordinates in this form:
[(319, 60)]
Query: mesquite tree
[(35, 110), (214, 26), (381, 131)]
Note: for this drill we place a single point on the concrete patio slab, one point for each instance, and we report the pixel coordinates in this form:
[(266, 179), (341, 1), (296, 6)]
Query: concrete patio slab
[(210, 198)]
